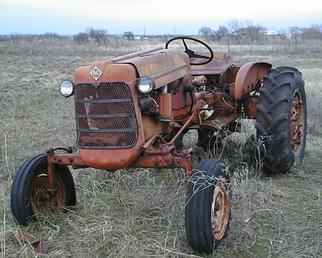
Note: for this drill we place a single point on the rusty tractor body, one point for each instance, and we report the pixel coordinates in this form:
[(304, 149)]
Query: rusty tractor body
[(133, 110), (117, 127)]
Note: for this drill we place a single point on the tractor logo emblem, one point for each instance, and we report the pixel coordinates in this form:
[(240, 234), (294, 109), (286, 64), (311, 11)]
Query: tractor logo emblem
[(95, 73)]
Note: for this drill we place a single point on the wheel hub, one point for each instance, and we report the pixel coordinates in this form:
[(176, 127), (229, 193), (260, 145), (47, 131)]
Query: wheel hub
[(297, 122), (44, 200), (220, 210)]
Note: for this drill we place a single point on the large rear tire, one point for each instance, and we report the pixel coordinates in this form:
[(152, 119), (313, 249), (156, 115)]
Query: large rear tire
[(29, 192), (281, 119), (208, 208)]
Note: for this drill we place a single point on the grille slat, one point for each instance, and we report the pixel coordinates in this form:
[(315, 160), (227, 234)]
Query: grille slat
[(104, 101), (105, 115), (124, 130)]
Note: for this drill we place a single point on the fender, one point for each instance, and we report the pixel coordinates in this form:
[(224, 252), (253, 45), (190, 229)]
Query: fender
[(247, 78)]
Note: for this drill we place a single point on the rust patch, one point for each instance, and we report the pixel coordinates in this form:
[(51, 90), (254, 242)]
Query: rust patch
[(163, 66), (166, 106), (218, 65)]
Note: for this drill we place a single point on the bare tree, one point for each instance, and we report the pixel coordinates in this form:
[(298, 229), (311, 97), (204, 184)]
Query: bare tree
[(128, 35), (221, 33), (81, 37), (313, 32), (253, 33), (206, 32), (296, 34), (51, 36), (98, 35), (233, 26)]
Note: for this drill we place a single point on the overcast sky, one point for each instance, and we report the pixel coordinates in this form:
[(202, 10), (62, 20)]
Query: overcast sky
[(155, 16)]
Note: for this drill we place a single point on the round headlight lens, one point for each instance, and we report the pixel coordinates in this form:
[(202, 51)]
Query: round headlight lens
[(66, 88), (145, 85)]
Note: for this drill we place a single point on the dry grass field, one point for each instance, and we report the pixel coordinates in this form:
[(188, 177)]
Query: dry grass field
[(140, 213)]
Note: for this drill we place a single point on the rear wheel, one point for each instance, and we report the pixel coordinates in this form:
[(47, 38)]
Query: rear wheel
[(208, 210), (30, 193), (281, 119)]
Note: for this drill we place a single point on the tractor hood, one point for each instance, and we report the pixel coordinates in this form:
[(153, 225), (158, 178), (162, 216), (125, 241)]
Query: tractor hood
[(161, 65)]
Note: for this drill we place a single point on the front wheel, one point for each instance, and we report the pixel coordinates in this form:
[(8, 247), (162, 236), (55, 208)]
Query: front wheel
[(208, 207), (30, 193)]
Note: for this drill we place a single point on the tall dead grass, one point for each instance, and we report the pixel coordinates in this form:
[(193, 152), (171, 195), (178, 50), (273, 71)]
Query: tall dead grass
[(140, 213)]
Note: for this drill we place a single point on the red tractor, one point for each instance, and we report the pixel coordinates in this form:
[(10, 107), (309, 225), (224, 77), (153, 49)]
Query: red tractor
[(133, 110)]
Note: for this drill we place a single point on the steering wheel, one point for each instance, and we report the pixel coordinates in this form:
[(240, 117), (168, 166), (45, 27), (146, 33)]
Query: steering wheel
[(191, 53)]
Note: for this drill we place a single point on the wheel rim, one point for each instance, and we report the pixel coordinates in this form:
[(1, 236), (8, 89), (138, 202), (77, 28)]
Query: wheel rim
[(220, 210), (297, 123), (43, 200)]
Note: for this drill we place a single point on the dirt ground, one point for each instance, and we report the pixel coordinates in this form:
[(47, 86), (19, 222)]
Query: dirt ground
[(140, 213)]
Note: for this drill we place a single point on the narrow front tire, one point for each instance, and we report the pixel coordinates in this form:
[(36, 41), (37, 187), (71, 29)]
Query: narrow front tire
[(208, 206), (30, 193)]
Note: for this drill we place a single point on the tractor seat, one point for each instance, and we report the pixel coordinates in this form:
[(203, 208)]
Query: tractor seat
[(219, 64)]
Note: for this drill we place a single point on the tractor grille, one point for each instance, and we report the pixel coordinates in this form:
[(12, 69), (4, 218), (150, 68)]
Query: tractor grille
[(105, 115)]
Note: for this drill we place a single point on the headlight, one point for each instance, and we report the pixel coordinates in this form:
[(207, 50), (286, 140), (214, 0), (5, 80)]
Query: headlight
[(145, 85), (66, 88)]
